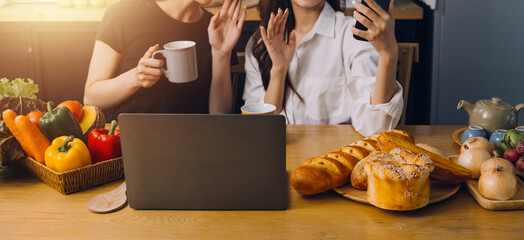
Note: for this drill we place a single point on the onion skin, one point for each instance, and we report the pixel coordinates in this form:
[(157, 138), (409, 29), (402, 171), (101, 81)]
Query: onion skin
[(498, 184), (494, 162), (472, 159), (476, 142)]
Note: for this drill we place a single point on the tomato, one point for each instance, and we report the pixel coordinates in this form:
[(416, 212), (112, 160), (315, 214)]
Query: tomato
[(34, 116), (75, 107)]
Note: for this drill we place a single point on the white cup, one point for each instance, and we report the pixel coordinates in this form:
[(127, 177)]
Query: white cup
[(181, 64), (258, 108)]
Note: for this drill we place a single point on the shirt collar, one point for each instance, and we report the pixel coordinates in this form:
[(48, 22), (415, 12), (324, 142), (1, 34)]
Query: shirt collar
[(325, 24)]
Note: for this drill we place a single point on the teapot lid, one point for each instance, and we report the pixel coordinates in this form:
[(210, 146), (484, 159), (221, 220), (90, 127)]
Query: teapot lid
[(496, 103)]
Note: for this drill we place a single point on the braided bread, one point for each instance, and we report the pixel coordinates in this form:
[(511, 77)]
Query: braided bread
[(319, 174), (445, 170)]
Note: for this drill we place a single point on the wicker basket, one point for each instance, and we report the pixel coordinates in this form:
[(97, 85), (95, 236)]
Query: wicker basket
[(77, 179)]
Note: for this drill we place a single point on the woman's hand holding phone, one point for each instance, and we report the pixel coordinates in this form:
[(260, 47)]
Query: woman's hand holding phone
[(280, 52), (380, 26)]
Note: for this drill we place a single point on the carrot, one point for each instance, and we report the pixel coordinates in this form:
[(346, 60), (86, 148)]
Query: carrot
[(36, 141), (9, 119)]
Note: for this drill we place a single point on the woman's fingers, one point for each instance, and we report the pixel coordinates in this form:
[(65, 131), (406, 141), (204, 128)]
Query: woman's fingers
[(391, 9), (213, 24), (240, 23), (366, 22), (278, 20), (360, 33), (231, 10), (236, 12), (367, 11), (283, 23), (149, 72), (152, 62), (225, 8), (263, 34), (270, 26), (150, 51), (292, 39)]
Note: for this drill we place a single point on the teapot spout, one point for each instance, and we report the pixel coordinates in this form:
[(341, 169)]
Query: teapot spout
[(465, 105)]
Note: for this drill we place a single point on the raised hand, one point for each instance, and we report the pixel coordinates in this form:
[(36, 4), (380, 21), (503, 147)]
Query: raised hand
[(147, 72), (381, 27), (224, 29), (281, 53)]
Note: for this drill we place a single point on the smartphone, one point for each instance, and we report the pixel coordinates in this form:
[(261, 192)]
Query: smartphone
[(384, 4)]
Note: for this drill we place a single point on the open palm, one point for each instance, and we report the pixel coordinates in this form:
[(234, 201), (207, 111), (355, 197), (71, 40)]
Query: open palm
[(224, 29), (281, 53)]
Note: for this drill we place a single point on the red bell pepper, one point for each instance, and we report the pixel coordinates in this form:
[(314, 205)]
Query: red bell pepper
[(104, 144)]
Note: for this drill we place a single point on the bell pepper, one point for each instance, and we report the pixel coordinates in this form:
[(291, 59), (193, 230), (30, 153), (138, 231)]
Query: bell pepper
[(59, 122), (67, 153), (104, 144)]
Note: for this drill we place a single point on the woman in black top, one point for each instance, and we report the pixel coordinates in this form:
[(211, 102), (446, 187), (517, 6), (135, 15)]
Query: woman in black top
[(123, 76)]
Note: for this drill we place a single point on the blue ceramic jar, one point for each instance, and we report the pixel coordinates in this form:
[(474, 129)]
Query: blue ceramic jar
[(474, 131), (496, 136)]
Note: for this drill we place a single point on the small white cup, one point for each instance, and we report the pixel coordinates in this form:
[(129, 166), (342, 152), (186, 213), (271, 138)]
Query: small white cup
[(181, 63), (258, 108)]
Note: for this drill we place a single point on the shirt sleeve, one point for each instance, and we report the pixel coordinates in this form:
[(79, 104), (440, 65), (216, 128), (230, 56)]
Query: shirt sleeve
[(111, 30), (360, 62), (254, 91)]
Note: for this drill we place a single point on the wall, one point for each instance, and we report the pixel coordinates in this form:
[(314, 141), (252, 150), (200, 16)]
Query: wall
[(477, 54)]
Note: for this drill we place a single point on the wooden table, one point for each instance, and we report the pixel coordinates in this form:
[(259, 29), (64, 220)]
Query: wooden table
[(30, 209)]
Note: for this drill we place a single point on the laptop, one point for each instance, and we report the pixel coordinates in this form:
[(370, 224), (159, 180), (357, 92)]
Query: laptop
[(200, 161)]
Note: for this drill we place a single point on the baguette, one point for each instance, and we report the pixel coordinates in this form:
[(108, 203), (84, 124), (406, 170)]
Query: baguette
[(319, 174), (445, 170)]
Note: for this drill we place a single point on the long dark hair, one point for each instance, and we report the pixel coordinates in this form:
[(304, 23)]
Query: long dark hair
[(265, 8)]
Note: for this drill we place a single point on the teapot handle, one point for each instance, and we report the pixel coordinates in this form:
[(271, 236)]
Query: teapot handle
[(518, 107)]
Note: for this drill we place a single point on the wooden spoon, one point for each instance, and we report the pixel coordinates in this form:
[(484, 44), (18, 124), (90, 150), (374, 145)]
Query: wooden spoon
[(110, 201)]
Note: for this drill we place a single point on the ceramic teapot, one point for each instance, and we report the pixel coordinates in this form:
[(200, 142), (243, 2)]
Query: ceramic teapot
[(491, 114)]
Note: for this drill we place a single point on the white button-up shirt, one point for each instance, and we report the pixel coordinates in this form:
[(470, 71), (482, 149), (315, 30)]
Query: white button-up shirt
[(335, 76)]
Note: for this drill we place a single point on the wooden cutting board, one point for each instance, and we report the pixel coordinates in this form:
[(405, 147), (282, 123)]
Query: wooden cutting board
[(517, 202)]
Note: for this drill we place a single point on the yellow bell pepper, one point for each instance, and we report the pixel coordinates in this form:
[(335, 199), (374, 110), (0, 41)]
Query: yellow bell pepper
[(67, 153)]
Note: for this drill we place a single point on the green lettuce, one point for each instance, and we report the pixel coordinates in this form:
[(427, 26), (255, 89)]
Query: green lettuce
[(18, 88)]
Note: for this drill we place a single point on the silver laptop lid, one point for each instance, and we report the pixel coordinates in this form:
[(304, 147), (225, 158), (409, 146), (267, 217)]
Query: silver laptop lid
[(186, 161)]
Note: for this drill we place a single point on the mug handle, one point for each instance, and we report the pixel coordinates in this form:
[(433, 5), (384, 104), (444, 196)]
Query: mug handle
[(161, 52)]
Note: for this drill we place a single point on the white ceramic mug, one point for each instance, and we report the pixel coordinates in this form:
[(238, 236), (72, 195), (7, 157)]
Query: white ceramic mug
[(181, 63), (258, 108)]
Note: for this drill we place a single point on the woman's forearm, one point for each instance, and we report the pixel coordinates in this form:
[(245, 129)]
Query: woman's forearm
[(110, 92), (220, 94), (275, 90), (385, 84)]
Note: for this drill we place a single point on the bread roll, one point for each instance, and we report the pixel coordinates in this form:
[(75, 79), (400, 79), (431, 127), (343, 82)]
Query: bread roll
[(445, 170), (398, 180)]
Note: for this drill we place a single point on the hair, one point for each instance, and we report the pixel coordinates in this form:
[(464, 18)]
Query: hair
[(265, 8)]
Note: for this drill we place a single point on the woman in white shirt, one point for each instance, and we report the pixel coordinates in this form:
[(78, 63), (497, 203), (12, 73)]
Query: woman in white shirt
[(312, 69)]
